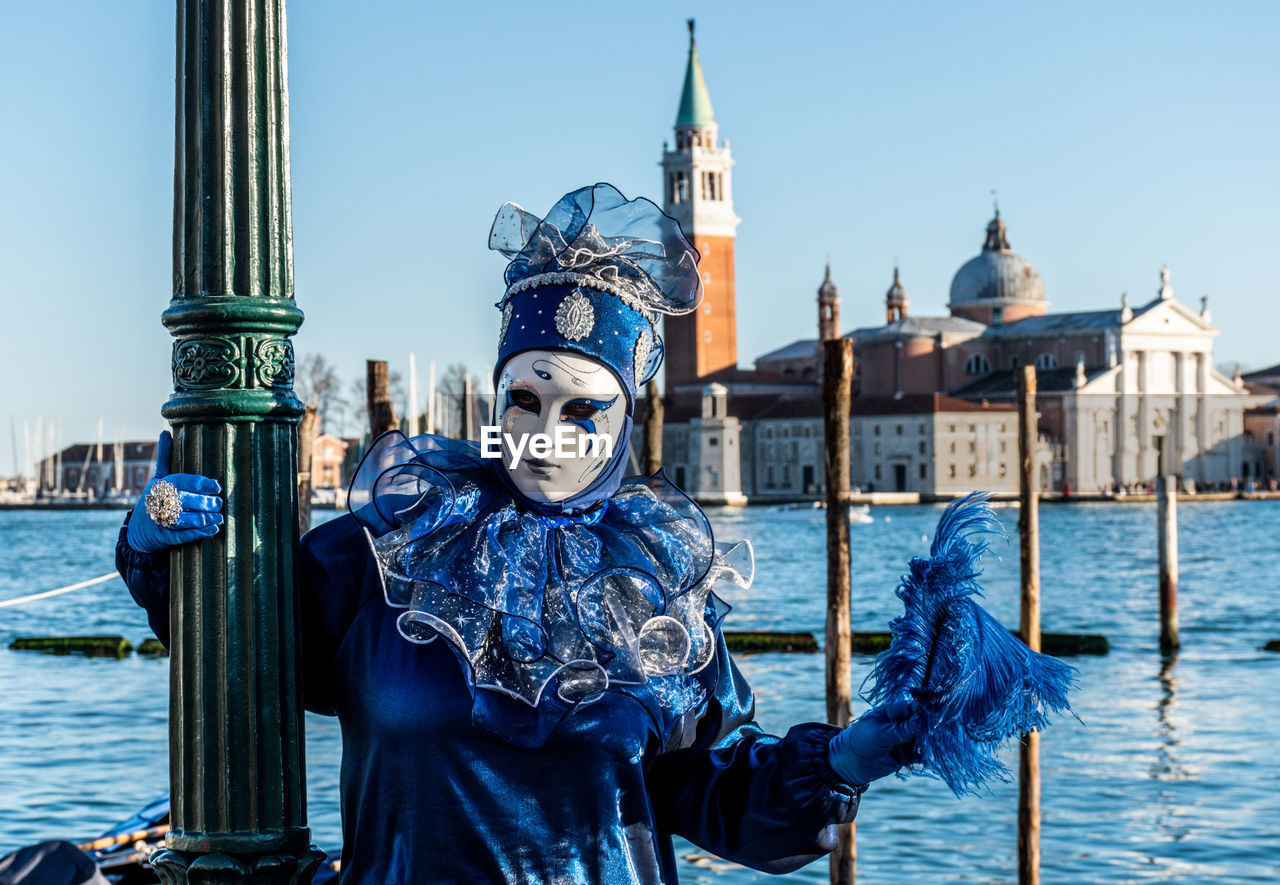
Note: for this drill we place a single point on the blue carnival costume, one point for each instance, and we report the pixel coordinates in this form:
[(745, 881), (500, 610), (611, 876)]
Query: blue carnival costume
[(534, 692)]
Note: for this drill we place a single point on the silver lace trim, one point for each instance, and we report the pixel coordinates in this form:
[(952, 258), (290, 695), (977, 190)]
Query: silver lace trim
[(565, 278), (506, 324), (644, 344)]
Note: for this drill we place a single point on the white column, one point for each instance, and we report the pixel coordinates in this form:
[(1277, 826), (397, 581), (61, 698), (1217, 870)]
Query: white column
[(1202, 417), (1120, 428), (1181, 412), (1145, 470)]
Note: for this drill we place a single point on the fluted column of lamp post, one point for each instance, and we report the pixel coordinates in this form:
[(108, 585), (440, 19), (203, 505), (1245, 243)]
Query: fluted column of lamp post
[(236, 721)]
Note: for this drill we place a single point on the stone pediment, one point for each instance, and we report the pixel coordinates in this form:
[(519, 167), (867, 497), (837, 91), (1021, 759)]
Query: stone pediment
[(1168, 317), (1104, 383), (1220, 385)]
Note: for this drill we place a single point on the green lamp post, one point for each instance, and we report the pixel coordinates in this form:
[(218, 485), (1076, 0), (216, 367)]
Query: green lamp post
[(238, 806)]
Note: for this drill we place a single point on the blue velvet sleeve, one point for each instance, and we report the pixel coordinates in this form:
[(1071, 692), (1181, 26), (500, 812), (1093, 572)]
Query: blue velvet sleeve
[(339, 576), (747, 796), (147, 577), (335, 568)]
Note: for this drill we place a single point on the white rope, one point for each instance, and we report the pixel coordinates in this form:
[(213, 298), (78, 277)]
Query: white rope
[(46, 594)]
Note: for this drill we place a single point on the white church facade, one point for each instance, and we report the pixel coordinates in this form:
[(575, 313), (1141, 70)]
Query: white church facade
[(1159, 406)]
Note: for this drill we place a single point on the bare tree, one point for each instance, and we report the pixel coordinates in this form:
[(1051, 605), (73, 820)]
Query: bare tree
[(318, 384), (453, 387), (454, 380)]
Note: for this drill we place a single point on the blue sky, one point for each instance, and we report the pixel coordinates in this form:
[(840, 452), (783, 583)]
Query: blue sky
[(1120, 136)]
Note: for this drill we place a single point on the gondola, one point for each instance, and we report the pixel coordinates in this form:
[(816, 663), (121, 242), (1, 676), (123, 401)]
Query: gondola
[(120, 856)]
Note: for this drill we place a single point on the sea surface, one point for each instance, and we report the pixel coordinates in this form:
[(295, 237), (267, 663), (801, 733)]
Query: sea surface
[(1172, 774)]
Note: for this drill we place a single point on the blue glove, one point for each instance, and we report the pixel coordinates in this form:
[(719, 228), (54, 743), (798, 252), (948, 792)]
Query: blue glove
[(875, 744), (200, 516)]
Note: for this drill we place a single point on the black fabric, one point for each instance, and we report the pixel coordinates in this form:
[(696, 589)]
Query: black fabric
[(49, 863)]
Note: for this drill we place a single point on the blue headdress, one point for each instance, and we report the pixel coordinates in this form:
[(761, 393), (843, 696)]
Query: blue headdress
[(591, 278), (547, 606)]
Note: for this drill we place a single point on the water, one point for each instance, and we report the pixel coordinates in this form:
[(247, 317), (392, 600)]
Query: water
[(1172, 777)]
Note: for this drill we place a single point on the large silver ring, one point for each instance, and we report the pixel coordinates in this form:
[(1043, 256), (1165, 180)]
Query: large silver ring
[(164, 504)]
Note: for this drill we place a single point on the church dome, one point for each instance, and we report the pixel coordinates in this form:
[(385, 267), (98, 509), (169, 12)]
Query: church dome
[(996, 275)]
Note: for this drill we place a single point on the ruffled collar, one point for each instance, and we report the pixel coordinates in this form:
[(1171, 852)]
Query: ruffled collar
[(549, 610)]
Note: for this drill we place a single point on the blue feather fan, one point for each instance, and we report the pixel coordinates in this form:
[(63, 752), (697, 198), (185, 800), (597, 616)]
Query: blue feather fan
[(977, 686)]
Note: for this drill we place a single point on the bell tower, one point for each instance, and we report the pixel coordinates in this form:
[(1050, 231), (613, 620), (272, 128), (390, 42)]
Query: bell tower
[(698, 192), (828, 308), (895, 300)]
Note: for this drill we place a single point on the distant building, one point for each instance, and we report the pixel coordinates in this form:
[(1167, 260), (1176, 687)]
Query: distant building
[(1262, 453), (328, 454), (1123, 393), (698, 192), (83, 472), (114, 469), (933, 445), (1262, 426), (706, 451)]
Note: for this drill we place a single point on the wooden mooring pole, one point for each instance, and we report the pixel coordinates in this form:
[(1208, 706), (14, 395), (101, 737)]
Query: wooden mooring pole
[(468, 407), (652, 429), (837, 386), (382, 414), (1167, 549), (307, 429), (1029, 535)]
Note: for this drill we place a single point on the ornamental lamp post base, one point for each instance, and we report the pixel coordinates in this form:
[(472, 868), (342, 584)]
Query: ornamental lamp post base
[(181, 868)]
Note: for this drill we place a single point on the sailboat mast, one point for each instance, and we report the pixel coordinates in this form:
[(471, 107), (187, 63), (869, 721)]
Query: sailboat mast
[(50, 455), (413, 395), (431, 397), (26, 454), (119, 459), (38, 463), (13, 432), (58, 461)]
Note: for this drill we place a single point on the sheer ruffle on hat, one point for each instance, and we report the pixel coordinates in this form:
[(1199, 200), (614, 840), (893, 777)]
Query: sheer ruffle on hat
[(629, 248), (594, 243), (551, 611)]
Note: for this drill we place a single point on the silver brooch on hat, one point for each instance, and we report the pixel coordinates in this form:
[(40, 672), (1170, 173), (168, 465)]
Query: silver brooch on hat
[(575, 317)]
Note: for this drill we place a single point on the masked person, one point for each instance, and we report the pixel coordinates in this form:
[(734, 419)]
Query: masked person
[(524, 648)]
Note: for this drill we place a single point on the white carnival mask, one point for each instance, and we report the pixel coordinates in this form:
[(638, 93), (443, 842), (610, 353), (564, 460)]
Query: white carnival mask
[(560, 415)]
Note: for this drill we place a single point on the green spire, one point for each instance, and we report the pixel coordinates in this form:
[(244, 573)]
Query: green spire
[(695, 102)]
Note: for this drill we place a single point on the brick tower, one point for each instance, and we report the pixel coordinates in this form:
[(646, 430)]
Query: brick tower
[(699, 194)]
